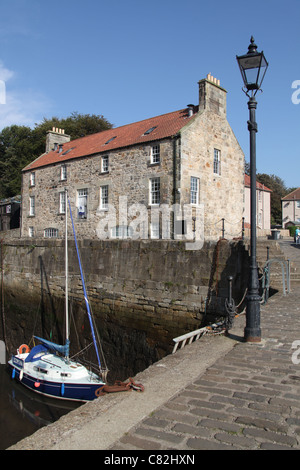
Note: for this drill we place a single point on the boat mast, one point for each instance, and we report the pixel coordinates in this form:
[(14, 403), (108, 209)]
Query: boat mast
[(66, 273)]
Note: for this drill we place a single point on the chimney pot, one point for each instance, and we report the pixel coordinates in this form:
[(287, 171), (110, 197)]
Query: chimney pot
[(190, 109), (55, 137)]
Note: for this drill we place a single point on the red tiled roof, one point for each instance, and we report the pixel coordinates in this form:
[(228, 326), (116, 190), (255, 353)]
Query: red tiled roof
[(293, 195), (258, 185), (164, 126)]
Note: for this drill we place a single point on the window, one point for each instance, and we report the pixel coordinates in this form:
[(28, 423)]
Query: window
[(154, 230), (150, 130), (104, 197), (67, 151), (217, 162), (62, 202), (155, 154), (32, 206), (154, 191), (51, 233), (180, 227), (194, 199), (259, 219), (31, 232), (82, 203), (122, 231), (298, 204), (104, 164), (32, 179), (110, 140), (63, 172)]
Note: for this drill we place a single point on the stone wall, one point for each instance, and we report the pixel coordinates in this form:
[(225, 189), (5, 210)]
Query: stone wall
[(143, 293), (128, 176), (221, 193)]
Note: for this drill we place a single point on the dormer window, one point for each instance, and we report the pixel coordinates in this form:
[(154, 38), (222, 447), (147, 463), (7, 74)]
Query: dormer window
[(150, 130)]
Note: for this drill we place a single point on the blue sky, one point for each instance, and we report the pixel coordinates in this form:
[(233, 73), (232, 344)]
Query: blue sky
[(130, 60)]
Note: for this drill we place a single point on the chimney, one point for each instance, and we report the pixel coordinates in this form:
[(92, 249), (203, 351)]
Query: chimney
[(55, 138), (212, 97)]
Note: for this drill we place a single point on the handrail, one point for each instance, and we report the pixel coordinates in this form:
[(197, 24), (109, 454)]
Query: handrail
[(190, 336)]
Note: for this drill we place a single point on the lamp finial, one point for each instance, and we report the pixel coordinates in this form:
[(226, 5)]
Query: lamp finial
[(252, 48)]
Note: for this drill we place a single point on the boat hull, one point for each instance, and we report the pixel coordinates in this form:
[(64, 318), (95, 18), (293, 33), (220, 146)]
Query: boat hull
[(61, 390)]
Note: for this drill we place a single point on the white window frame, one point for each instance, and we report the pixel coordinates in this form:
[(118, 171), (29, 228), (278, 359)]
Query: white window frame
[(259, 219), (50, 232), (155, 154), (105, 164), (122, 231), (195, 187), (32, 206), (63, 173), (154, 191), (82, 195), (62, 202), (298, 204), (217, 162), (31, 232), (155, 230), (104, 197), (32, 178)]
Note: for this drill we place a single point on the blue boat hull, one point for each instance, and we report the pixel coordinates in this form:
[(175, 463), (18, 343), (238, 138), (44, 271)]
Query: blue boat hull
[(64, 391)]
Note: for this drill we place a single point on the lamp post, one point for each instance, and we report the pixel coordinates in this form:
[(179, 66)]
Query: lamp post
[(253, 66)]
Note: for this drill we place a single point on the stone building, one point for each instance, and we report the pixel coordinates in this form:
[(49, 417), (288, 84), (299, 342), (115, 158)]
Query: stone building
[(291, 209), (263, 207), (10, 213), (171, 176)]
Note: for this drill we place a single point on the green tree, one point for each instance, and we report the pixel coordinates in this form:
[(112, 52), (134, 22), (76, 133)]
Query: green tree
[(20, 145), (16, 150), (77, 125), (279, 190)]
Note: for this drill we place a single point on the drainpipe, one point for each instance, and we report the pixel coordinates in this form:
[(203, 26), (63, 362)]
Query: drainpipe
[(176, 171), (176, 167)]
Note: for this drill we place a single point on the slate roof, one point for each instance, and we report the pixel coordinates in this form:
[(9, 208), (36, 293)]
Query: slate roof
[(158, 127)]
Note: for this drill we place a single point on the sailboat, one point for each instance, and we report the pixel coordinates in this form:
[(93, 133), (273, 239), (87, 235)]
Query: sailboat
[(47, 368)]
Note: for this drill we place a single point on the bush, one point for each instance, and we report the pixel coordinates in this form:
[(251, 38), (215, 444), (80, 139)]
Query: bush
[(292, 230)]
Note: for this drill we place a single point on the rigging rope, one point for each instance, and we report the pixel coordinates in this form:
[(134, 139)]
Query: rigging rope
[(84, 289)]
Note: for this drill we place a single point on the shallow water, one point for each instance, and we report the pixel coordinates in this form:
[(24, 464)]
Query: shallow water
[(22, 412)]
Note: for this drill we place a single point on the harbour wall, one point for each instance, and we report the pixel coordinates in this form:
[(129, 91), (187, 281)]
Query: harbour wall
[(142, 293)]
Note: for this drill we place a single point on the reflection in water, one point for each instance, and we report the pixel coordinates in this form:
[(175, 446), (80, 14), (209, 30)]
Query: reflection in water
[(22, 412)]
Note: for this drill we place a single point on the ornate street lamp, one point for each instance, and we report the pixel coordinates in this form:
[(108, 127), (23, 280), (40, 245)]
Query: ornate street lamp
[(253, 67)]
